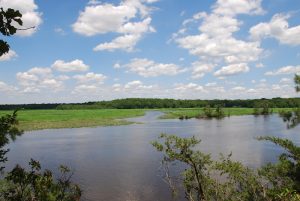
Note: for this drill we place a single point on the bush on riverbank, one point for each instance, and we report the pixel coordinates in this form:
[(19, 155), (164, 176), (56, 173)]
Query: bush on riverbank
[(225, 179), (35, 184), (205, 179)]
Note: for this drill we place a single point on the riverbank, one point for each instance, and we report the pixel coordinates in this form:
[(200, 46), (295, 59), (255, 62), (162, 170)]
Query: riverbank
[(194, 112), (53, 119)]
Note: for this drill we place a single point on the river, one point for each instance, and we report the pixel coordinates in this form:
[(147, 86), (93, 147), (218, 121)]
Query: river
[(118, 163)]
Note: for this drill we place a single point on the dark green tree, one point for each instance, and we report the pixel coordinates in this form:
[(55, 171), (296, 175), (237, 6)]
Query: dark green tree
[(7, 19), (8, 132), (297, 82)]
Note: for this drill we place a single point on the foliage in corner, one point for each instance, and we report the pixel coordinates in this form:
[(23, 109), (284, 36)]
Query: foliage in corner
[(39, 185), (35, 184), (7, 19), (8, 132), (204, 179)]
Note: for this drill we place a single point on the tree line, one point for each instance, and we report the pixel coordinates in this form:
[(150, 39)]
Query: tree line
[(150, 103)]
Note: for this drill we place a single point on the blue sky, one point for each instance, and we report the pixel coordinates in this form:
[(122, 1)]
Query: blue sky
[(101, 50)]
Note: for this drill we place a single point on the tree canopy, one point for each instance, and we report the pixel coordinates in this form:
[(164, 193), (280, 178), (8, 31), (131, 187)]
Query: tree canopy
[(8, 20)]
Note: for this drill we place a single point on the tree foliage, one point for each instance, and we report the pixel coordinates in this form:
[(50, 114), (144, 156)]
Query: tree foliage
[(149, 103), (262, 108), (297, 82), (216, 112), (8, 19), (8, 132), (39, 185), (205, 179), (35, 184)]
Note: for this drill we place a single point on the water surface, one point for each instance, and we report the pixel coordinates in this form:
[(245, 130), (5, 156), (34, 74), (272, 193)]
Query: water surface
[(118, 163)]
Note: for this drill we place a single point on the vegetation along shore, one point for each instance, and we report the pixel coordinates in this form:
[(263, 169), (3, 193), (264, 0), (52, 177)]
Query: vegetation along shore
[(54, 118)]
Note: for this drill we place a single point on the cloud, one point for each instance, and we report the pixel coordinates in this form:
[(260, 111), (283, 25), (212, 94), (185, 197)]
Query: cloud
[(102, 19), (232, 69), (229, 50), (215, 43), (8, 56), (35, 79), (137, 85), (277, 28), (44, 72), (117, 87), (189, 87), (126, 42), (199, 69), (117, 65), (90, 77), (6, 88), (105, 18), (72, 66), (234, 7), (238, 88), (211, 84), (285, 70), (30, 15), (85, 89), (259, 65), (285, 80), (60, 31), (149, 68), (63, 77)]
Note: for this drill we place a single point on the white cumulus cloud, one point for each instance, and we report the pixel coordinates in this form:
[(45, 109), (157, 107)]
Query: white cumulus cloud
[(285, 70), (234, 7), (215, 43), (36, 79), (102, 18), (199, 69), (6, 88), (90, 77), (232, 69), (277, 28), (149, 68), (72, 66)]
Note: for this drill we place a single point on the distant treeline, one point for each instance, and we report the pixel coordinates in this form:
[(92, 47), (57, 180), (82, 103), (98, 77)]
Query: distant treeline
[(30, 106), (150, 103)]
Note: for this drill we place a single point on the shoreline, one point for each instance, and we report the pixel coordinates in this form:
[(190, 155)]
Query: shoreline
[(30, 120)]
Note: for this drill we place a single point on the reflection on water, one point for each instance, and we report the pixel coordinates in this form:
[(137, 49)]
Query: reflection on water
[(118, 163)]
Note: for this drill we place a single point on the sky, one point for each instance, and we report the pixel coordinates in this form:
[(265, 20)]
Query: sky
[(93, 50)]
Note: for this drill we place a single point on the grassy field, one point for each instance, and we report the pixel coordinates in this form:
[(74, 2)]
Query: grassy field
[(193, 112), (46, 119)]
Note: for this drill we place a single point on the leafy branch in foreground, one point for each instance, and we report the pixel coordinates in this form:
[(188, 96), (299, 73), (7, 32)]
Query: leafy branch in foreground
[(39, 185), (35, 184), (286, 172), (8, 131), (7, 19), (205, 179)]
